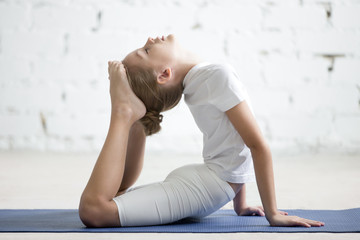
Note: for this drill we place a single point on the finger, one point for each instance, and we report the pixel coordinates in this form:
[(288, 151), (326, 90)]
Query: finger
[(261, 212), (297, 221), (312, 223), (254, 211), (304, 224), (315, 223)]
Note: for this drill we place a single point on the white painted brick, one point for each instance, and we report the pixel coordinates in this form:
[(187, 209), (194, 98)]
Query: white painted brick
[(346, 72), (240, 45), (66, 69), (328, 42), (178, 125), (300, 127), (253, 42), (56, 144), (54, 56), (152, 19), (20, 125), (73, 144), (278, 42), (33, 99), (13, 68), (104, 45), (332, 2), (249, 70), (202, 43), (346, 17), (289, 73), (282, 72), (313, 70), (328, 99), (92, 101), (14, 16), (182, 114), (32, 43), (282, 17), (285, 147), (236, 17), (280, 3), (81, 125), (82, 144), (267, 102), (58, 16), (348, 128), (28, 143)]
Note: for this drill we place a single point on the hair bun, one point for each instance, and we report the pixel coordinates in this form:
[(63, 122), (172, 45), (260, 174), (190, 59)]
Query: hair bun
[(151, 122)]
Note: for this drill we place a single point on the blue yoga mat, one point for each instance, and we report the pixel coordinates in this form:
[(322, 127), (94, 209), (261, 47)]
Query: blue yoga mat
[(222, 221)]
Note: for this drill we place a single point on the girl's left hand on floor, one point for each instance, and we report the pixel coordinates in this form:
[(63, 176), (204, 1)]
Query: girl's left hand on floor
[(255, 211), (293, 221)]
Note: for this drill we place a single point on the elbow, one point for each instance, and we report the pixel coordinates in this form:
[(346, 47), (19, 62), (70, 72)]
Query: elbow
[(259, 147), (262, 149)]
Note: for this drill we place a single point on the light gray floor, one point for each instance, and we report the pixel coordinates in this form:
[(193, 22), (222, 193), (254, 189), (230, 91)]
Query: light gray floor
[(53, 180)]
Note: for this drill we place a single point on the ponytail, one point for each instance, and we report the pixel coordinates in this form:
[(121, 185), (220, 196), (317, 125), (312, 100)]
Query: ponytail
[(151, 122)]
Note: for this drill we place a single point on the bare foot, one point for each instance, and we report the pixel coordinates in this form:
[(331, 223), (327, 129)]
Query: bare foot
[(123, 99)]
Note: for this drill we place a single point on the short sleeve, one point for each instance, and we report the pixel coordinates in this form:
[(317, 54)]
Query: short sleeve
[(225, 88)]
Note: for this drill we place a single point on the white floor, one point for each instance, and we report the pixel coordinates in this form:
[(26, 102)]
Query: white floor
[(53, 180)]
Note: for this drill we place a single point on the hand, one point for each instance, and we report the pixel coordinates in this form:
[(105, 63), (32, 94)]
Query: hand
[(279, 220), (254, 211)]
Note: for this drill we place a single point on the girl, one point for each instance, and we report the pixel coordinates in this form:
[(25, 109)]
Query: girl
[(151, 80)]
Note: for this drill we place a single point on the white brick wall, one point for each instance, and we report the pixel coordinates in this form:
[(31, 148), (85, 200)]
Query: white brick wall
[(300, 61)]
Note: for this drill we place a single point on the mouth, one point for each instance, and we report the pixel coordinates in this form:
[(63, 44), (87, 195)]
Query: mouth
[(160, 39)]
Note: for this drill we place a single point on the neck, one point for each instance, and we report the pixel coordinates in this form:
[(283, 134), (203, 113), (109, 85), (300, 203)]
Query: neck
[(185, 62)]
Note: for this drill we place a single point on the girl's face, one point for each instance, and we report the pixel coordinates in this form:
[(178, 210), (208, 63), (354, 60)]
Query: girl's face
[(158, 53)]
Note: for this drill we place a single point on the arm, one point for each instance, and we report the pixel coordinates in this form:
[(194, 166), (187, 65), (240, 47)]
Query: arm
[(239, 200), (242, 209), (245, 123)]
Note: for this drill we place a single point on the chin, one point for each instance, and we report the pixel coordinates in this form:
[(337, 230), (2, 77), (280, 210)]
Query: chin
[(171, 36)]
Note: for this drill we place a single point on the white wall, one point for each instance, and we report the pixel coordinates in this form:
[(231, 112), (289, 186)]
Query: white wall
[(300, 61)]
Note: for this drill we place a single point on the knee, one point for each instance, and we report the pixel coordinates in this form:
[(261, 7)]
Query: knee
[(88, 213), (91, 213)]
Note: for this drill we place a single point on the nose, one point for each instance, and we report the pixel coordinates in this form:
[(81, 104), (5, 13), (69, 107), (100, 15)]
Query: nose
[(150, 40)]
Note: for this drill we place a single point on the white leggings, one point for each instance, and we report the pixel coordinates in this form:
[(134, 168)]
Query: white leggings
[(189, 191)]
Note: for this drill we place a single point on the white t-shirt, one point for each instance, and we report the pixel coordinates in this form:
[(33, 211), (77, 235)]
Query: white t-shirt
[(210, 90)]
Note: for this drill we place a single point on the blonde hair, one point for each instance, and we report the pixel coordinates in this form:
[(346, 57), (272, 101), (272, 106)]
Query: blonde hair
[(157, 98)]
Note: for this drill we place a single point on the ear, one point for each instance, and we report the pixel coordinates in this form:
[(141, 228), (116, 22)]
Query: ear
[(164, 76)]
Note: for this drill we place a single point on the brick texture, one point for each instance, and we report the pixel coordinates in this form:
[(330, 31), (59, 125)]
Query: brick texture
[(300, 61)]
